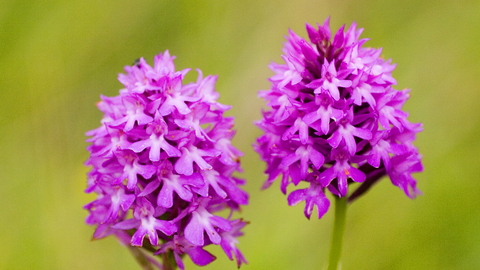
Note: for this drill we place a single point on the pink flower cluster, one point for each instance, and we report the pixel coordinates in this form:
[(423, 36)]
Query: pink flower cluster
[(163, 164), (334, 118)]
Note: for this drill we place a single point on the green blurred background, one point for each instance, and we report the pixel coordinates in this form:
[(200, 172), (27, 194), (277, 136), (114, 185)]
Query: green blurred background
[(57, 57)]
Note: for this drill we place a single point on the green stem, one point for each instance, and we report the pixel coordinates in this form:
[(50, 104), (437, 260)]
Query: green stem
[(141, 258), (338, 230), (168, 261)]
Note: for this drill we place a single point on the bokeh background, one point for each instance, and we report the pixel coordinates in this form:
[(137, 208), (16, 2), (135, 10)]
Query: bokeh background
[(58, 56)]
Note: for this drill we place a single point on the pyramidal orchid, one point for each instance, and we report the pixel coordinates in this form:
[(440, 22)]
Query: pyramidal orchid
[(333, 119), (162, 167)]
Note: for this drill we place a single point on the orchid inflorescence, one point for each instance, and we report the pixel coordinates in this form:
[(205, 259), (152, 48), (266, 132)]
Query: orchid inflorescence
[(163, 166), (334, 118)]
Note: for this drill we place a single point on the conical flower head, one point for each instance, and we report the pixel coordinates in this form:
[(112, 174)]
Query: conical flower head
[(163, 163), (334, 118)]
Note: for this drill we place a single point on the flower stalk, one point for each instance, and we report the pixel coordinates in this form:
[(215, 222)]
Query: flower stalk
[(140, 257), (338, 232), (168, 261)]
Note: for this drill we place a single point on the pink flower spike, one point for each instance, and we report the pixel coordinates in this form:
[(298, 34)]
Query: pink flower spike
[(332, 112), (163, 154)]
